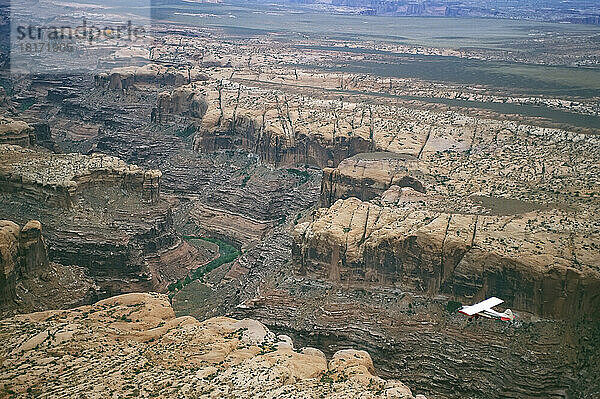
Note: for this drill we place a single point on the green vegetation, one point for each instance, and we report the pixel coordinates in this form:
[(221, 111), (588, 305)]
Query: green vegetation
[(453, 306), (227, 253), (187, 132), (245, 180), (326, 378), (302, 174), (26, 104)]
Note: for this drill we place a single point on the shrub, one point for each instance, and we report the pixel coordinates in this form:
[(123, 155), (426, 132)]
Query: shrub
[(453, 306)]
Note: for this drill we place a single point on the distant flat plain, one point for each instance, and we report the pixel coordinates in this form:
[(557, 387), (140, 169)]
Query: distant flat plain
[(487, 33), (243, 19)]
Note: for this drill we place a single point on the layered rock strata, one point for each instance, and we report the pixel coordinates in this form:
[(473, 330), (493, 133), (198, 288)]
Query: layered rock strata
[(430, 346), (235, 227), (134, 345), (60, 178), (543, 262), (99, 213), (288, 122), (29, 281), (284, 131), (367, 176), (23, 251), (185, 101), (410, 335), (124, 78), (16, 132)]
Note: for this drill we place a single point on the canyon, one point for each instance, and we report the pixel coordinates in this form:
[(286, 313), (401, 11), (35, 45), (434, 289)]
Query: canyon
[(228, 197), (99, 213)]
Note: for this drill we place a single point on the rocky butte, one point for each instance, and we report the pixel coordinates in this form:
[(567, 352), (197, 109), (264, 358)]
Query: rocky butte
[(29, 280), (23, 251)]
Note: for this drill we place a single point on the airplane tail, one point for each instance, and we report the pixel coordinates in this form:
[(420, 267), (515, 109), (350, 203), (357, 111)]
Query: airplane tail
[(508, 315)]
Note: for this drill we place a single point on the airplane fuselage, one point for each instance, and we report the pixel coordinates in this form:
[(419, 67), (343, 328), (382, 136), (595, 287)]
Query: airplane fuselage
[(490, 314), (484, 309)]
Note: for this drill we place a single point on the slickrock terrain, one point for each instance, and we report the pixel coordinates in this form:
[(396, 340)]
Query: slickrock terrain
[(284, 131), (435, 176), (124, 78), (300, 120), (133, 345), (348, 191), (425, 343)]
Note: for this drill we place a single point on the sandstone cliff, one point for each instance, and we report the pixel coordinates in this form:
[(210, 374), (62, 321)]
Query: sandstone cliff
[(61, 178), (99, 213), (22, 251), (16, 132), (126, 77), (290, 122), (29, 281), (282, 130), (134, 345), (186, 101), (544, 262), (367, 176)]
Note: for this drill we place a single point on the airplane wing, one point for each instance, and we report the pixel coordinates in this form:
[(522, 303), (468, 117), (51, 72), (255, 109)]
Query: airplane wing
[(481, 306)]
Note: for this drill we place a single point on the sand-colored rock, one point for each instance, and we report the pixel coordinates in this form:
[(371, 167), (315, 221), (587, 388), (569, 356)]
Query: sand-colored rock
[(16, 132), (100, 213), (368, 175), (29, 281), (187, 101), (60, 178), (22, 251), (123, 78), (542, 261), (134, 345)]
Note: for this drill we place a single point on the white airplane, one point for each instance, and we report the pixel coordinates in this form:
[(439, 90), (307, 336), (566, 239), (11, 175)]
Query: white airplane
[(484, 309)]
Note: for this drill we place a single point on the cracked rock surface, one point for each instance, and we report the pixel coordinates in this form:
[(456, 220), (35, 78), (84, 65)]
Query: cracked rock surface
[(133, 345)]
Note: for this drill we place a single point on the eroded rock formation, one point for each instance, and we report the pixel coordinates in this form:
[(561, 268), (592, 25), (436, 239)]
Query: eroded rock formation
[(16, 132), (124, 78), (23, 251), (134, 345), (29, 281), (464, 203), (99, 213), (367, 176), (186, 101), (543, 262), (282, 130), (61, 178)]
